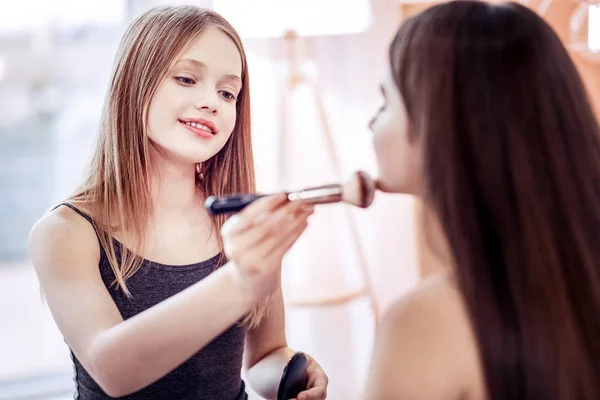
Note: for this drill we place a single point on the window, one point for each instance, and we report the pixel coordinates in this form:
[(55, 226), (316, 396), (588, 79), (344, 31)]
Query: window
[(594, 28)]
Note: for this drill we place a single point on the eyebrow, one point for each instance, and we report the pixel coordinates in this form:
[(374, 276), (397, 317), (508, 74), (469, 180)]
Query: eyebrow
[(200, 65)]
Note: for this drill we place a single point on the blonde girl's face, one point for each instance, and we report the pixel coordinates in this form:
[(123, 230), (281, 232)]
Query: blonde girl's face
[(193, 112)]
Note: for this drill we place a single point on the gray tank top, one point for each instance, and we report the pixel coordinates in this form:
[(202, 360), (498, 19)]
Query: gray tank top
[(213, 373)]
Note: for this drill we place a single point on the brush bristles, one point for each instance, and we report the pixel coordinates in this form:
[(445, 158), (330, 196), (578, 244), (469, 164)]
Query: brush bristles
[(359, 190)]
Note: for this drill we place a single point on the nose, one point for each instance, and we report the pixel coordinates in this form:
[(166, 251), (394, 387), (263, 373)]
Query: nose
[(207, 101)]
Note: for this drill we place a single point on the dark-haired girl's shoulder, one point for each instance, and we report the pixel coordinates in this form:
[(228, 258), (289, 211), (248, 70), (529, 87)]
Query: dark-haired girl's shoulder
[(425, 347)]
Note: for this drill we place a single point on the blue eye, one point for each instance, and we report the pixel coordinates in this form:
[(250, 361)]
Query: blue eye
[(227, 95), (185, 80)]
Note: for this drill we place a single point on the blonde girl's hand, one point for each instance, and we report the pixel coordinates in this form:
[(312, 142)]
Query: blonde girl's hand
[(257, 238)]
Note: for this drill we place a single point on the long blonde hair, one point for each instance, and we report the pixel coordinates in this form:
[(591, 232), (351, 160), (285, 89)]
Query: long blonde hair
[(116, 191)]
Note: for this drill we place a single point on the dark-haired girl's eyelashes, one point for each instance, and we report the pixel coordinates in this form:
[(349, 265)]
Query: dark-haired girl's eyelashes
[(372, 121)]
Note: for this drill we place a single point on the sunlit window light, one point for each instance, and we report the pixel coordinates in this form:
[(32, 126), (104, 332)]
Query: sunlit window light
[(27, 15), (594, 27)]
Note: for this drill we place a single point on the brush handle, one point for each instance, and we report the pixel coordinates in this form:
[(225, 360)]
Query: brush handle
[(227, 204)]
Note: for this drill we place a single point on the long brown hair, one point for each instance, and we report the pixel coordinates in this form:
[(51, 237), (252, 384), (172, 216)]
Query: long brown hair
[(116, 191), (512, 170)]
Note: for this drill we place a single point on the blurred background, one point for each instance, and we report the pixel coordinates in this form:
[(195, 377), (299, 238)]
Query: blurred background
[(315, 68)]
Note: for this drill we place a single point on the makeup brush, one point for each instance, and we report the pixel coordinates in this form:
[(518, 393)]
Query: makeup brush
[(358, 190)]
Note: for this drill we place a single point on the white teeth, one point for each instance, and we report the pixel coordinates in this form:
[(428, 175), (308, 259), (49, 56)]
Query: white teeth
[(201, 126)]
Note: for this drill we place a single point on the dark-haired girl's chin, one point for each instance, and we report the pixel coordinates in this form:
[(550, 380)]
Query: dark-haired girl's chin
[(385, 187), (392, 188)]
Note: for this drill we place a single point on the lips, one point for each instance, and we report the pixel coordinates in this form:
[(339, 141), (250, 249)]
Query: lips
[(201, 124)]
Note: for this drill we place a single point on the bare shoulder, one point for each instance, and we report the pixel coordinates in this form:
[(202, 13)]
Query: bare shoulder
[(65, 253), (435, 303), (60, 237), (426, 348)]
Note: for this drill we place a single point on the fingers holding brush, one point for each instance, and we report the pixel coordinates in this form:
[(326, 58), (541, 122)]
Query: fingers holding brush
[(249, 216), (291, 226), (257, 238), (271, 226)]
